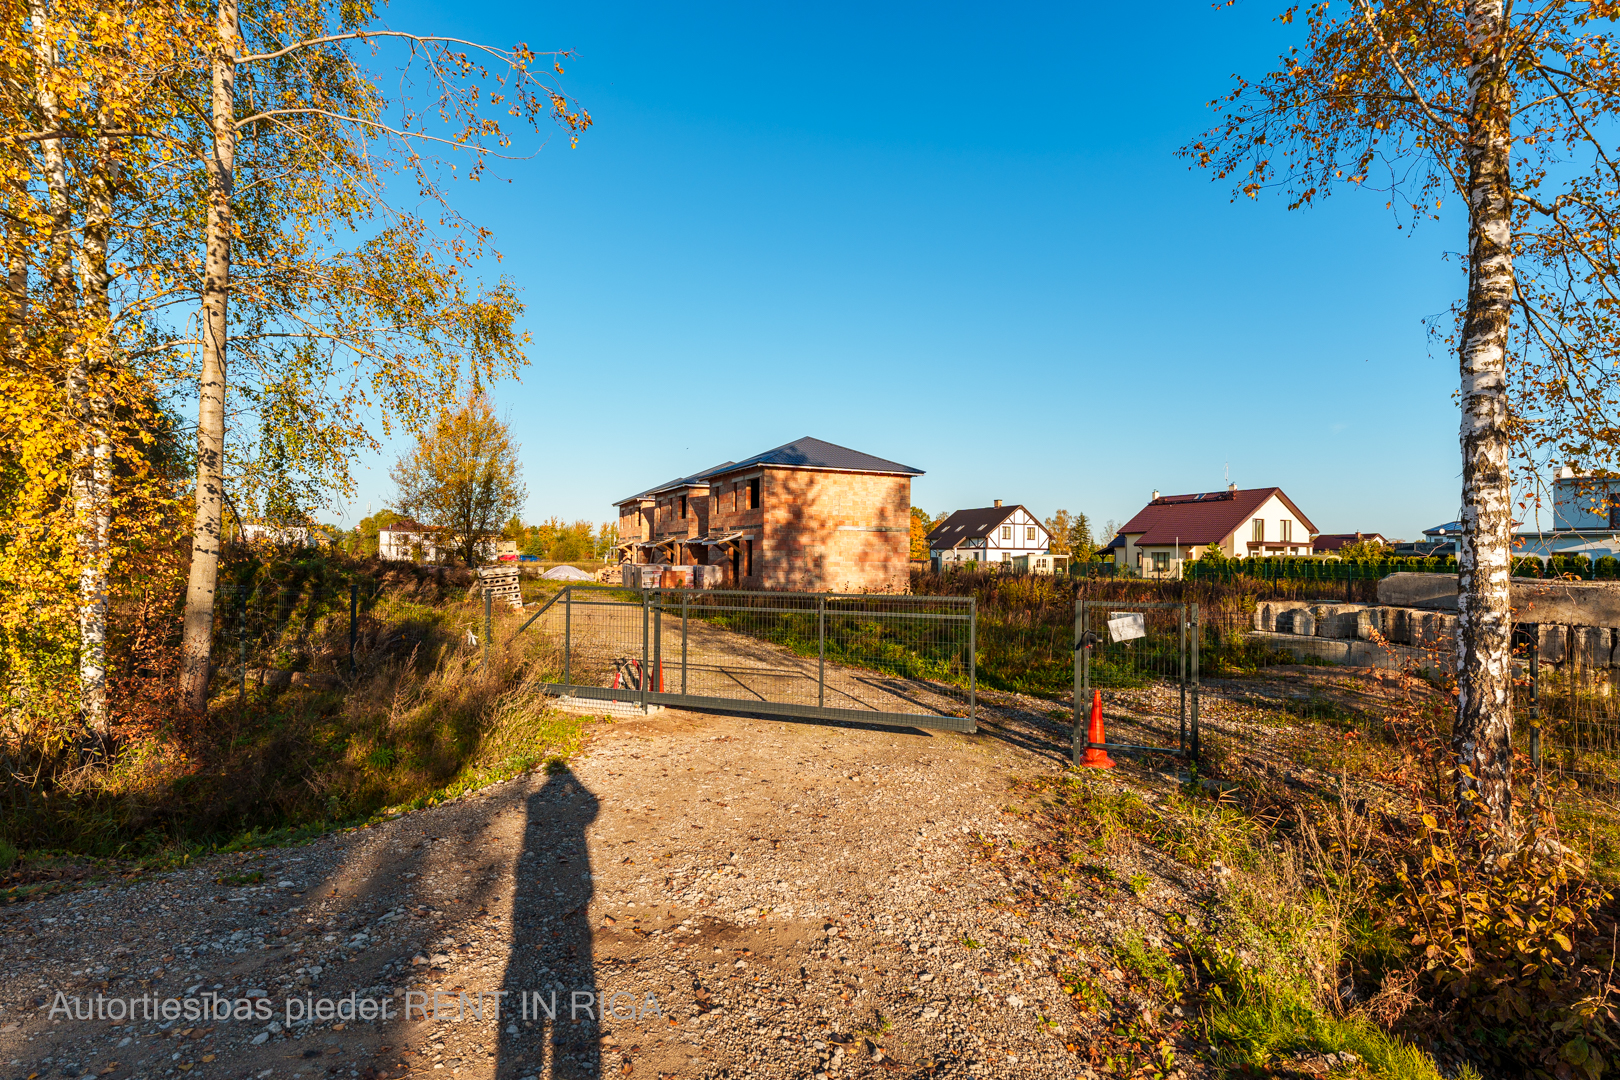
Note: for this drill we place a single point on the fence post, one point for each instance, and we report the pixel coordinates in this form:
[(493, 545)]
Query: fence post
[(1535, 708), (1197, 637), (1181, 617), (241, 648), (656, 675), (646, 599), (973, 659), (488, 622), (1081, 653), (821, 652), (568, 633), (685, 596), (354, 626)]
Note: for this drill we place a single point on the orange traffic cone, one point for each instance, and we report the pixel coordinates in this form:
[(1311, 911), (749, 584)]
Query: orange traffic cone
[(1095, 756)]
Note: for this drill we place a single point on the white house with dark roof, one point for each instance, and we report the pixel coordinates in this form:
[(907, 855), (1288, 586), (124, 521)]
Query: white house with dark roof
[(993, 534)]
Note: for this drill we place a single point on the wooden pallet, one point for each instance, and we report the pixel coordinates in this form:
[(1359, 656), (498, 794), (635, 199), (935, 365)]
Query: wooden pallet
[(502, 583)]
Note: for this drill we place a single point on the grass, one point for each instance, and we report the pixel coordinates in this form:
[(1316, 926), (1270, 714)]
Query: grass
[(423, 722), (1258, 970)]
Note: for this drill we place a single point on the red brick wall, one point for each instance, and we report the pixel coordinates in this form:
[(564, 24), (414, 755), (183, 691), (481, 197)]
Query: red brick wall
[(798, 542)]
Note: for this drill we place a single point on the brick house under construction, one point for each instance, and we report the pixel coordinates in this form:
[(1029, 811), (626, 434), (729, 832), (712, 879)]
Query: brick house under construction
[(808, 516)]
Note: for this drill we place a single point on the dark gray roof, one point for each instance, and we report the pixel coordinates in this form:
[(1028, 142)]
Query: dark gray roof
[(678, 482), (969, 525), (808, 453)]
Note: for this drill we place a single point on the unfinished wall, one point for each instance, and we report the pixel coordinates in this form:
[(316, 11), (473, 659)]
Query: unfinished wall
[(820, 531)]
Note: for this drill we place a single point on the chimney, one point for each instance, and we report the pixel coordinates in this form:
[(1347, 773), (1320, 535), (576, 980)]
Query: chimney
[(998, 502), (1231, 487), (1155, 493)]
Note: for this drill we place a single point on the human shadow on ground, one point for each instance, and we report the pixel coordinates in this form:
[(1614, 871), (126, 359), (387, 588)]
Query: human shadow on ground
[(551, 993)]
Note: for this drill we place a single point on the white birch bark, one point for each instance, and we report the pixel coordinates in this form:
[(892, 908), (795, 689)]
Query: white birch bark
[(90, 479), (58, 270), (1481, 735), (197, 633), (92, 467)]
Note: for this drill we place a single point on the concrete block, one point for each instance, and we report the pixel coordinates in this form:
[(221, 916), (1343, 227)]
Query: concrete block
[(1336, 620), (1268, 612), (1370, 621), (1590, 646), (1419, 590), (1553, 643), (1445, 630), (1425, 633), (1302, 623), (1576, 603)]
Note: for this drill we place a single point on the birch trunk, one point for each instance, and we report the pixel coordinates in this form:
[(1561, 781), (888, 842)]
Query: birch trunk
[(197, 634), (92, 466), (1481, 735), (58, 270), (90, 478)]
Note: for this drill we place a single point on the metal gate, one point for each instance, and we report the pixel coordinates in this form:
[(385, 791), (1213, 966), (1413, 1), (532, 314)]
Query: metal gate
[(907, 661), (1138, 655)]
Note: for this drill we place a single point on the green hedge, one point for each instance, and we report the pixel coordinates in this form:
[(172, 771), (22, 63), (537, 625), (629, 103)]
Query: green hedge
[(1303, 568)]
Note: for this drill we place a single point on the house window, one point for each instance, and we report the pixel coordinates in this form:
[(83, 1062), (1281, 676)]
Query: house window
[(1161, 561), (1259, 530), (683, 507), (1614, 512), (1029, 534), (1006, 556), (1287, 530), (1006, 532), (734, 496), (753, 494), (749, 554)]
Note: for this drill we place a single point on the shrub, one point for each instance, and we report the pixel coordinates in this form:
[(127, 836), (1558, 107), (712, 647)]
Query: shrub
[(1607, 567), (1511, 946)]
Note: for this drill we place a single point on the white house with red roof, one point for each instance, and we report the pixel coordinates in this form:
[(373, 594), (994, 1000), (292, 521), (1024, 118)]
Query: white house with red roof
[(1242, 522)]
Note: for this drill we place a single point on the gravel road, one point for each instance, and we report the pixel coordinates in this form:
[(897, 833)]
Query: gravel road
[(693, 896)]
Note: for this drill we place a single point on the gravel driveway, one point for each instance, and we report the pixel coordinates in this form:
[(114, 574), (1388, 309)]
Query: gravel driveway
[(749, 897)]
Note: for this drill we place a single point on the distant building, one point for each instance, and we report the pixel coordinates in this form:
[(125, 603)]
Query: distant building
[(808, 515), (1241, 523), (1331, 543), (1585, 521), (258, 532), (1041, 562), (412, 541), (989, 534)]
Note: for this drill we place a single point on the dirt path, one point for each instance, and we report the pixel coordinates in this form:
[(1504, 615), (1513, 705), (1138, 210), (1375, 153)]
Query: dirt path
[(723, 663), (757, 898)]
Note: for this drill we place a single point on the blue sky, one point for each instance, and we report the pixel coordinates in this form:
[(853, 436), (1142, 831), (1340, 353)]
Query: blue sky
[(957, 237)]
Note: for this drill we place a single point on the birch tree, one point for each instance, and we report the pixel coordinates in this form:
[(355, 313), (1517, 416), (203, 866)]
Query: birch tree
[(193, 201), (1511, 109), (385, 326), (79, 83)]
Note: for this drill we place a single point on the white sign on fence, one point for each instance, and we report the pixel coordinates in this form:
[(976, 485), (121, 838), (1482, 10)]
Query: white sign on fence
[(1125, 625)]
